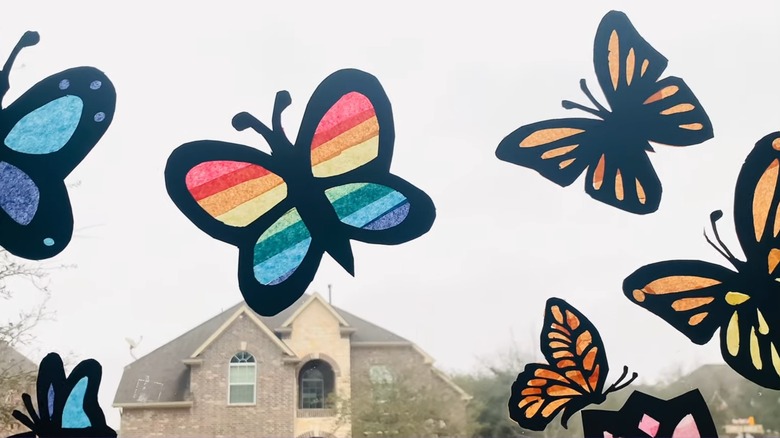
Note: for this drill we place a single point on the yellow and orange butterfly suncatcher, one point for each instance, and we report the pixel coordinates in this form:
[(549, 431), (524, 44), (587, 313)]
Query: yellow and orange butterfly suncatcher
[(575, 377), (697, 298)]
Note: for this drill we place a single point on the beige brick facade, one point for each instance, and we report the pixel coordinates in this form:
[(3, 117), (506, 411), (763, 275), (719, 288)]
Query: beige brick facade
[(315, 331)]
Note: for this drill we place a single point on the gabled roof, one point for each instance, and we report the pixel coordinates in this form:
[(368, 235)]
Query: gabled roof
[(162, 376), (243, 310), (11, 361), (314, 297)]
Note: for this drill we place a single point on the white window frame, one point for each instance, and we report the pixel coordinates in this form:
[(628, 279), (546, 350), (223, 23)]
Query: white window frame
[(231, 366)]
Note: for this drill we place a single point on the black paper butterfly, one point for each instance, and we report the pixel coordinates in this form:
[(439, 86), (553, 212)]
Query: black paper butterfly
[(698, 298), (575, 375), (46, 133), (614, 149), (284, 211), (67, 406)]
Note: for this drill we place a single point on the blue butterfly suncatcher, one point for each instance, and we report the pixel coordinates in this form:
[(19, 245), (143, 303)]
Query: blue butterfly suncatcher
[(285, 210), (67, 406), (614, 150), (46, 133)]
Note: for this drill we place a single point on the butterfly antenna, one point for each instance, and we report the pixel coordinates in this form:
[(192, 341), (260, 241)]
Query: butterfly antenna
[(29, 38), (617, 386), (244, 120), (586, 90), (283, 100), (723, 249), (567, 104)]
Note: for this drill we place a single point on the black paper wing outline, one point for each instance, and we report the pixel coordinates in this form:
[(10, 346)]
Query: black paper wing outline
[(614, 149), (51, 227), (668, 413), (51, 377)]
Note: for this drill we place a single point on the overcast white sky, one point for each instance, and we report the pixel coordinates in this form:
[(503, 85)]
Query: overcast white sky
[(460, 78)]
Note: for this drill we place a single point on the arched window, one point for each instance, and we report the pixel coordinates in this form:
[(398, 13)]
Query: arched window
[(316, 383), (242, 379)]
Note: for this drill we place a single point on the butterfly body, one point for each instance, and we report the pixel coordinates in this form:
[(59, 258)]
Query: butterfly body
[(46, 133), (574, 377), (698, 298), (284, 210), (613, 148)]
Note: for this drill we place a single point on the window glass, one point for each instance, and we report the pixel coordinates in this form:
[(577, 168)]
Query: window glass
[(242, 378), (316, 385)]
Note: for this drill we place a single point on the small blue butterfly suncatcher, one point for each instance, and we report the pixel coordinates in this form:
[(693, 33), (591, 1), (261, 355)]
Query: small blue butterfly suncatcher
[(67, 406), (45, 135)]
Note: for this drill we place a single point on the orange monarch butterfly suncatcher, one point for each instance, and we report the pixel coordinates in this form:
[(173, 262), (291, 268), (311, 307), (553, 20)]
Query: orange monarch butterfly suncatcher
[(574, 377)]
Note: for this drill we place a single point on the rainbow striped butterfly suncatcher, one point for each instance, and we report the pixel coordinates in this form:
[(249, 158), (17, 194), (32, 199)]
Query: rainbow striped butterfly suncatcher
[(614, 150), (46, 133), (698, 298), (285, 210)]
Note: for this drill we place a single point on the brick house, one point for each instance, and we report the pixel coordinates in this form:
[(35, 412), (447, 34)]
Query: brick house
[(243, 375), (17, 376)]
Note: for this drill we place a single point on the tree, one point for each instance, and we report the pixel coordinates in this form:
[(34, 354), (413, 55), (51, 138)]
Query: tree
[(491, 387), (396, 407), (17, 373)]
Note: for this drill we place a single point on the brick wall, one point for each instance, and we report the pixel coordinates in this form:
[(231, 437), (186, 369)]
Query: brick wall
[(271, 416), (408, 367), (11, 399)]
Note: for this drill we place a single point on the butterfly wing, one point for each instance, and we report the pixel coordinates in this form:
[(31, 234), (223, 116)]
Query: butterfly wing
[(347, 126), (625, 180), (46, 133), (572, 344), (235, 194), (76, 405), (276, 269), (757, 205), (624, 61), (540, 393), (575, 377), (628, 69), (757, 221), (697, 298), (224, 188), (688, 294), (390, 213), (559, 150), (348, 133), (51, 382)]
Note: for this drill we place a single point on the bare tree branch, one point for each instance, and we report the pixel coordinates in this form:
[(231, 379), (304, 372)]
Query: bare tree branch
[(17, 373)]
